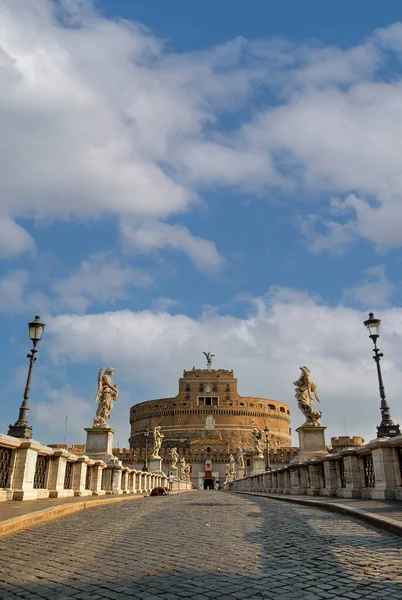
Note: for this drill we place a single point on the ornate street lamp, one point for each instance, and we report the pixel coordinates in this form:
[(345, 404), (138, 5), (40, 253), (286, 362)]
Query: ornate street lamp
[(21, 429), (146, 435), (387, 428), (267, 463)]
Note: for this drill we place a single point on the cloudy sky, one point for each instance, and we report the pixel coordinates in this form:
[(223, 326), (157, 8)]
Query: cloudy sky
[(177, 174)]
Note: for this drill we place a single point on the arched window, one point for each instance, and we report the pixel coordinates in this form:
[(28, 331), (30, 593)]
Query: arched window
[(271, 406), (248, 462), (282, 409)]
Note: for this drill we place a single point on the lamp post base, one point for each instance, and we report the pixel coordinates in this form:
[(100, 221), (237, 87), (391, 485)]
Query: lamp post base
[(388, 430), (20, 431)]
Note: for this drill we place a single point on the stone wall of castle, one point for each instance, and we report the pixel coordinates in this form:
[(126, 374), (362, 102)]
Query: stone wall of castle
[(209, 407)]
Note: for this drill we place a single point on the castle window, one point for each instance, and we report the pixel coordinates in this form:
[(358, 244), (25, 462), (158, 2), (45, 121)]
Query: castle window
[(248, 462), (260, 405), (251, 405), (271, 406), (214, 387), (252, 422), (288, 411), (228, 387), (201, 387), (208, 449), (201, 401), (241, 403), (187, 387), (282, 409), (179, 420), (187, 396)]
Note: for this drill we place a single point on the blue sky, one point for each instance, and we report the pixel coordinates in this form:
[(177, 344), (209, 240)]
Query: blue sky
[(174, 173)]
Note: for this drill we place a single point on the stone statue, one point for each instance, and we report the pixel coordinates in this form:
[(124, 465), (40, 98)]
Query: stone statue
[(208, 356), (158, 437), (228, 471), (257, 440), (183, 465), (107, 393), (240, 458), (232, 463), (174, 457), (305, 390)]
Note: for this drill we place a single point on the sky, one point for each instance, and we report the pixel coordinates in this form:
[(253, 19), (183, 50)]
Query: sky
[(179, 176)]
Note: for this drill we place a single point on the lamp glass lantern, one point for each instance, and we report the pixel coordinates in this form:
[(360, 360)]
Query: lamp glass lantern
[(373, 326), (36, 328)]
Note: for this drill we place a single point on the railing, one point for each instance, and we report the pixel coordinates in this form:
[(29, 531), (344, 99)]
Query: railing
[(68, 477), (88, 478), (399, 454), (371, 471), (5, 467), (369, 475), (59, 473), (41, 468), (322, 474), (342, 475)]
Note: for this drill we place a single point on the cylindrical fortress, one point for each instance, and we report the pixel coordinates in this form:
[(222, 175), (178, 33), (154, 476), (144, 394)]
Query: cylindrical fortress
[(207, 409)]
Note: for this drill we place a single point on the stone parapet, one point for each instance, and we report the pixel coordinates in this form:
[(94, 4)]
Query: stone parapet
[(370, 471), (31, 470)]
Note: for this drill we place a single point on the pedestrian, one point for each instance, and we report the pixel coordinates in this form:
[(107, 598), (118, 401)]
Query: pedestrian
[(171, 482)]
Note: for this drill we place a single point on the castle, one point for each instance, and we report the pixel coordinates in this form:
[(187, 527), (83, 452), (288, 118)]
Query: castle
[(207, 421)]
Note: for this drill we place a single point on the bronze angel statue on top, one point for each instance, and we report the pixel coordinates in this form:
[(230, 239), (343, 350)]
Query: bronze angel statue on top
[(208, 356), (107, 393)]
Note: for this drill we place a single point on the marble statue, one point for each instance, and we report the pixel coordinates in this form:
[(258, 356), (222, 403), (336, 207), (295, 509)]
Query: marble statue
[(208, 356), (228, 471), (174, 457), (158, 437), (107, 393), (232, 462), (306, 391), (257, 440), (240, 458), (182, 467)]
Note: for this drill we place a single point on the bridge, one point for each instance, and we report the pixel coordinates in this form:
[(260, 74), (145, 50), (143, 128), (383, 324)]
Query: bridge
[(200, 545)]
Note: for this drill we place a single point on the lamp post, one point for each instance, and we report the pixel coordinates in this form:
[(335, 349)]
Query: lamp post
[(21, 429), (146, 435), (387, 428), (267, 463)]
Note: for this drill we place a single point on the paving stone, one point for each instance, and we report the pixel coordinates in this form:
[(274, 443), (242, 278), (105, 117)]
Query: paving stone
[(254, 548)]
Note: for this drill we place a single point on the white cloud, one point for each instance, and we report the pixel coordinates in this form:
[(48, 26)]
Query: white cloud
[(153, 236), (12, 291), (284, 330), (52, 413), (374, 290), (14, 239), (99, 279), (100, 118)]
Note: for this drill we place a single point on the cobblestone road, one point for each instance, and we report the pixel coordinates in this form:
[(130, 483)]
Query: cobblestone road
[(201, 545)]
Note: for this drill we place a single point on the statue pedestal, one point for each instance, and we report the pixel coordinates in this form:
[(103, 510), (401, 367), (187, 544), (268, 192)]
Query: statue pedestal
[(99, 444), (258, 465), (155, 465), (311, 443), (240, 473)]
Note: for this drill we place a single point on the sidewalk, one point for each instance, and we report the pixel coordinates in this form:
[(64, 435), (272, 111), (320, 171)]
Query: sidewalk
[(16, 515), (384, 514)]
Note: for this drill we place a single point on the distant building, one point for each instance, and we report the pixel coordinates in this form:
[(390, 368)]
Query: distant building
[(207, 421)]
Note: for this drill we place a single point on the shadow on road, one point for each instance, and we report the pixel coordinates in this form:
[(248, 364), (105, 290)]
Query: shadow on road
[(202, 545)]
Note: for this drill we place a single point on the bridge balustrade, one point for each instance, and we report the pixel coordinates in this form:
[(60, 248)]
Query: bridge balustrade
[(30, 470), (370, 471)]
